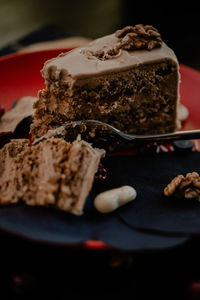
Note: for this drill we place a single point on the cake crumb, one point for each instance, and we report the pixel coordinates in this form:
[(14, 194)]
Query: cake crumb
[(22, 110)]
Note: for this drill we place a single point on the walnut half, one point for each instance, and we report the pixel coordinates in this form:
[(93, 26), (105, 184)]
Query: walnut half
[(138, 37), (187, 187)]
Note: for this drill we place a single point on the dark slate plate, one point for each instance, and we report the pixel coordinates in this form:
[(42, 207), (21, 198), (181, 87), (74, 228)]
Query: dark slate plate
[(44, 224), (58, 228), (150, 211), (149, 174), (118, 235), (150, 222)]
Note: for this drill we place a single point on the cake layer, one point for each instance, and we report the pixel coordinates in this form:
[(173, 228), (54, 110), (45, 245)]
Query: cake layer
[(139, 100), (53, 172)]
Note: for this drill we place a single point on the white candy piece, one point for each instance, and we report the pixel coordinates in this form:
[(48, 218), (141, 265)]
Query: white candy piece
[(182, 112), (110, 200)]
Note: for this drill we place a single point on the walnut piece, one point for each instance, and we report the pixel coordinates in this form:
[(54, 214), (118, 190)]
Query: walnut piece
[(171, 187), (129, 38), (103, 54), (138, 37), (187, 187)]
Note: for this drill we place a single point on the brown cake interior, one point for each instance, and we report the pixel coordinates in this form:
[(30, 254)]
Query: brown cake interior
[(53, 172), (10, 166), (141, 100)]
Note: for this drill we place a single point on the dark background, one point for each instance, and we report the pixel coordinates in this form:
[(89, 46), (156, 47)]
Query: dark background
[(179, 25)]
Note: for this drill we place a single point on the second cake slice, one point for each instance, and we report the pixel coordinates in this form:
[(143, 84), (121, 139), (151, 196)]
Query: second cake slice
[(54, 173)]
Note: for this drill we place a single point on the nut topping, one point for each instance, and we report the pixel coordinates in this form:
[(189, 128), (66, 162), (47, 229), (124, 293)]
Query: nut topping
[(186, 187), (104, 54), (138, 37), (129, 38), (171, 187)]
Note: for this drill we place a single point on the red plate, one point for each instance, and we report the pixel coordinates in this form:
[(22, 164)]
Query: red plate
[(20, 76)]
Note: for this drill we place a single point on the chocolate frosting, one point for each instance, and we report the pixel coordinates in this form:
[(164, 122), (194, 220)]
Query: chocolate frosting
[(84, 61)]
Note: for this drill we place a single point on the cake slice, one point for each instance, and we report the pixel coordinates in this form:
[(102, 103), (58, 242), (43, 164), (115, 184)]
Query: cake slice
[(53, 172), (129, 79), (10, 167)]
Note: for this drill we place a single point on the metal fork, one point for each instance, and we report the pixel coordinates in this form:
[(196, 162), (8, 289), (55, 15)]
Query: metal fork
[(177, 135)]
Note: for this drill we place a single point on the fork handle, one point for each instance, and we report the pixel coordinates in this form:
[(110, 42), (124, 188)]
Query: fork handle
[(177, 135)]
